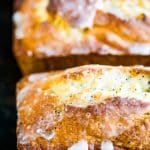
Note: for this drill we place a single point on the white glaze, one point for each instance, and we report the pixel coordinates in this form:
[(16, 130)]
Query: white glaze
[(107, 145), (81, 145)]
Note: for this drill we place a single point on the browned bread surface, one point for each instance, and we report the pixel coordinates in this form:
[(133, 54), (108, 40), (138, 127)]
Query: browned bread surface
[(88, 107), (47, 32)]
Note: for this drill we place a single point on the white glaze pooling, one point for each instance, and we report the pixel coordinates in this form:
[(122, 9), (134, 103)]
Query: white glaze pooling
[(46, 135), (141, 49), (126, 9), (79, 13), (81, 145), (107, 145), (25, 136), (36, 77), (18, 18)]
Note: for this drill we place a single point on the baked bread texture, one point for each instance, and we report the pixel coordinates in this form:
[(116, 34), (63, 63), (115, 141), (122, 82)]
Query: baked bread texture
[(56, 34), (90, 107)]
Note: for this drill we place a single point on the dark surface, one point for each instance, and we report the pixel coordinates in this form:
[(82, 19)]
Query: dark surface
[(9, 75)]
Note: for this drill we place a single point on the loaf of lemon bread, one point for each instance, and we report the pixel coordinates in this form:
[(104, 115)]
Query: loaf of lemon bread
[(90, 107), (56, 34)]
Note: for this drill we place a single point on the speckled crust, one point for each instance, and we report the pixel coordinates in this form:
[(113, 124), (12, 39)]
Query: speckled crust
[(44, 34), (58, 109)]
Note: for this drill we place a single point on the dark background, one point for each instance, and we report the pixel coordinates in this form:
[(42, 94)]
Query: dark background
[(9, 75)]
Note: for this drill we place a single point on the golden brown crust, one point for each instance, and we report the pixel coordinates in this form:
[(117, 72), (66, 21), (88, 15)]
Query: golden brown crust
[(59, 118), (41, 39), (136, 137)]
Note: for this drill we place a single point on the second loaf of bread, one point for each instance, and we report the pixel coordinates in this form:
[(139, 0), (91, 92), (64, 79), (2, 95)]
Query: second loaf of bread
[(56, 34)]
